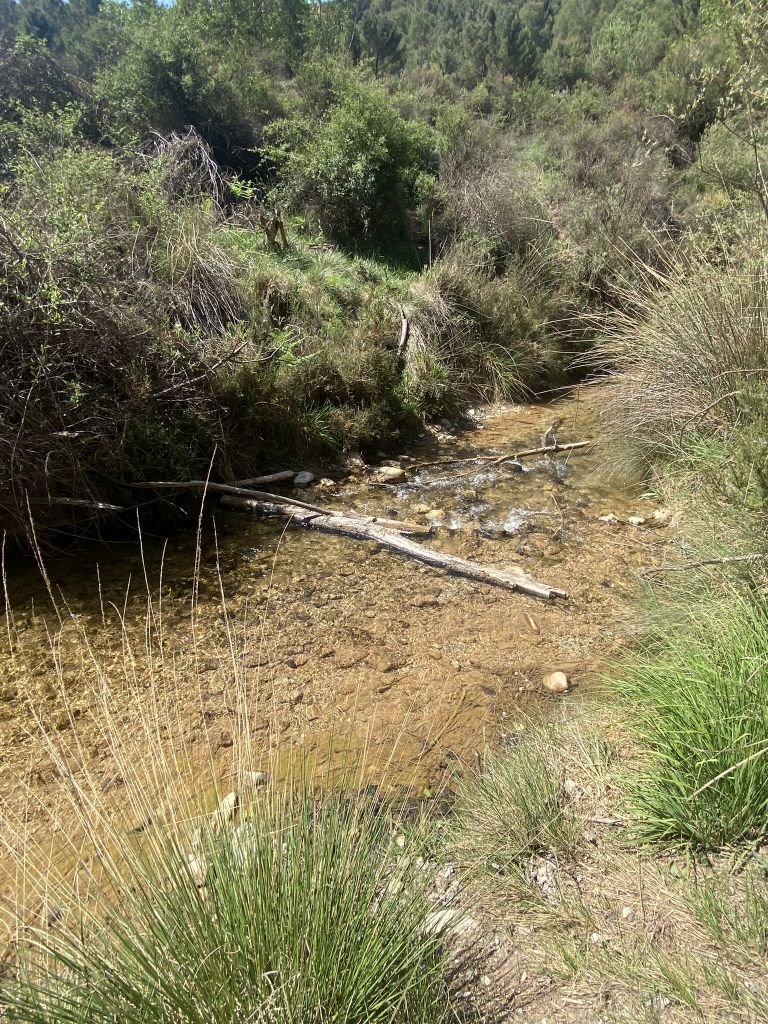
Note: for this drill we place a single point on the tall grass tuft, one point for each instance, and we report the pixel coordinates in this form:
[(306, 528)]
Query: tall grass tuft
[(689, 352), (295, 920), (518, 806), (700, 701)]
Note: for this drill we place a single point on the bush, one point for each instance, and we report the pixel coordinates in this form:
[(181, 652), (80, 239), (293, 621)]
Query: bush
[(700, 700), (349, 160), (689, 356)]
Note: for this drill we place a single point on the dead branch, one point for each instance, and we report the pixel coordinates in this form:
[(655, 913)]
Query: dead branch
[(273, 226), (404, 330), (685, 566), (270, 478), (352, 526), (496, 460)]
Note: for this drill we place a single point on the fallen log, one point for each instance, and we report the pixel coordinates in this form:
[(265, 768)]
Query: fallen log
[(230, 490), (359, 528), (271, 478)]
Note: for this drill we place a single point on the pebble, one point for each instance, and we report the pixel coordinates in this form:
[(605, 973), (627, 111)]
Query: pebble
[(303, 478), (326, 483), (420, 510), (610, 518), (662, 516), (636, 520), (628, 914), (556, 682), (436, 513), (422, 601)]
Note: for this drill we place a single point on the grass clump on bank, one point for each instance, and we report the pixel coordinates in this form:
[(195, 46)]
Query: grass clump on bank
[(699, 705), (518, 807), (296, 919)]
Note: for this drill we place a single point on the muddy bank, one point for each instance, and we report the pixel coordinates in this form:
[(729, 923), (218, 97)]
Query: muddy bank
[(345, 655)]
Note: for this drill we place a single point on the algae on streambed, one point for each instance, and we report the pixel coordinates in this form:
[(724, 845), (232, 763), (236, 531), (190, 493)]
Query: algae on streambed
[(345, 655)]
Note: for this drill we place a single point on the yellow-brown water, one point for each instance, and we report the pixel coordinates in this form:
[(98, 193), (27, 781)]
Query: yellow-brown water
[(345, 653)]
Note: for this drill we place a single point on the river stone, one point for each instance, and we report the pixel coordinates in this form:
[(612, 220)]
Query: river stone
[(226, 811), (389, 475), (303, 478), (556, 682), (198, 869), (420, 510)]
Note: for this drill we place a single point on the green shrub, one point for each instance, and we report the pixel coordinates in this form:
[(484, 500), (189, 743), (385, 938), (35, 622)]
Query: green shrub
[(699, 696), (349, 159)]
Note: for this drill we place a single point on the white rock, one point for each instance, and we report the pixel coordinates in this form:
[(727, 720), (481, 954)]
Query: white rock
[(226, 811), (198, 869), (326, 483), (556, 682), (628, 914), (636, 520), (449, 920), (610, 518), (255, 779), (400, 841), (662, 516), (303, 478), (388, 475)]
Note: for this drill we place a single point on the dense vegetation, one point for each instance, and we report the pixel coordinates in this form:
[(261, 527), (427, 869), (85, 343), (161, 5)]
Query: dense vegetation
[(500, 173), (542, 189)]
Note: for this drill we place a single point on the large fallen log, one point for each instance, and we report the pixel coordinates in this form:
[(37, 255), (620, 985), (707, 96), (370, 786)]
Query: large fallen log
[(230, 490), (362, 529)]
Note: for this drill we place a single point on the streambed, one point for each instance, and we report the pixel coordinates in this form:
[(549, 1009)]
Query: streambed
[(346, 655)]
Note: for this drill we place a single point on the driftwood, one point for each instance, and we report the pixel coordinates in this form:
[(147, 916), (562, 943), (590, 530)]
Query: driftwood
[(271, 478), (357, 527), (496, 460), (242, 493)]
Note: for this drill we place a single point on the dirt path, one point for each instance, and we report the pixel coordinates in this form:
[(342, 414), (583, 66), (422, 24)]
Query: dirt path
[(346, 655)]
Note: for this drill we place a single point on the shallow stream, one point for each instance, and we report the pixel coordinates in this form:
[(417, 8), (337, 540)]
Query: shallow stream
[(346, 654)]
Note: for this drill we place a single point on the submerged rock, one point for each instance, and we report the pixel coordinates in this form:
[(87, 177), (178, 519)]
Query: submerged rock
[(388, 475), (303, 479)]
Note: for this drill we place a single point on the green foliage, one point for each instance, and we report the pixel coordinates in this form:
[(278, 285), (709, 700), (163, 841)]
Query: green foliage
[(700, 697), (302, 917), (349, 159)]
